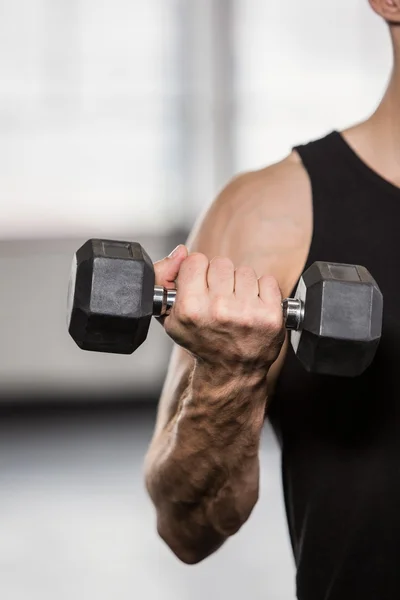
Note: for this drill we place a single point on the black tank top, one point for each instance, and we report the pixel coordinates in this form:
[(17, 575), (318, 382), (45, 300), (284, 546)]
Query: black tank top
[(340, 438)]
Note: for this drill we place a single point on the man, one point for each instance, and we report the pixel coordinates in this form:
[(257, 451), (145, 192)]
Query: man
[(336, 199)]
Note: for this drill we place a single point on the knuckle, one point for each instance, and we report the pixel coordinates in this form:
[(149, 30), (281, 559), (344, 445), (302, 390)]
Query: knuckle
[(246, 272), (196, 261), (222, 262), (219, 311), (275, 320), (198, 257), (193, 267), (271, 282), (247, 321), (187, 311)]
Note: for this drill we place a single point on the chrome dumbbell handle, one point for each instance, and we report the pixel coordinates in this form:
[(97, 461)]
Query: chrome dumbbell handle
[(293, 309), (163, 301), (293, 313)]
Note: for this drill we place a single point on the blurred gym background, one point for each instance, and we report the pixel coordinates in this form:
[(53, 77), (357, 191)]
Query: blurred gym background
[(123, 119)]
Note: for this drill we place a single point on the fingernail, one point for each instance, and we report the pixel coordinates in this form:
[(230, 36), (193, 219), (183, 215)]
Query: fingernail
[(174, 252)]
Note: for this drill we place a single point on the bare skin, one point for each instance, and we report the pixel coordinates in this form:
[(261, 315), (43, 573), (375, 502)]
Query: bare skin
[(245, 253)]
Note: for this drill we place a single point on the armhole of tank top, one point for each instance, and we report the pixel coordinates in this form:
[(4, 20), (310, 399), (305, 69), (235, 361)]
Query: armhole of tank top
[(302, 152), (275, 404)]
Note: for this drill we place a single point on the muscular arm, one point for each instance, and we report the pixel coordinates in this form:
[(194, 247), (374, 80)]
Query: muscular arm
[(202, 468)]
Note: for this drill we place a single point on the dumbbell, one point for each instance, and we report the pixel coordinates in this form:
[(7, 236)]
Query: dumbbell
[(335, 317)]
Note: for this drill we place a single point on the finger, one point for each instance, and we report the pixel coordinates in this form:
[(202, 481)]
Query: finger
[(221, 276), (269, 290), (246, 284), (167, 269), (192, 277)]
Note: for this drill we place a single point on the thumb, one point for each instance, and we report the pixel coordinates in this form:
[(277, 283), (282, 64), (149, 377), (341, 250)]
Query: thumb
[(167, 269)]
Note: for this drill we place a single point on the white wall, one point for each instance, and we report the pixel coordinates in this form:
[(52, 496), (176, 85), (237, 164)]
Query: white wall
[(87, 118), (304, 68), (109, 121)]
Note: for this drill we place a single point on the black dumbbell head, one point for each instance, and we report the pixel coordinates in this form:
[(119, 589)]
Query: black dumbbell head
[(110, 296), (342, 322)]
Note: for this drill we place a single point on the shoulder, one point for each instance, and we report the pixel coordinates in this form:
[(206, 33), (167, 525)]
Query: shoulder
[(262, 218), (274, 187), (280, 194), (281, 188)]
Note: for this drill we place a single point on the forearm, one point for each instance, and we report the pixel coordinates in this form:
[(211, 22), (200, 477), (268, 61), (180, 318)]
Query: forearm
[(203, 470)]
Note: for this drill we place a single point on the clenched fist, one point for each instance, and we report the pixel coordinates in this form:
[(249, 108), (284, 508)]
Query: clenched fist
[(222, 315)]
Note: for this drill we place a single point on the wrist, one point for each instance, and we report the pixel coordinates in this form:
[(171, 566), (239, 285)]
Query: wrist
[(231, 399), (224, 373)]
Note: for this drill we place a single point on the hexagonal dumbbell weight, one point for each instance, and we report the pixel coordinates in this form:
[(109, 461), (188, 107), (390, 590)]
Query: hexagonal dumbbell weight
[(337, 325), (335, 317)]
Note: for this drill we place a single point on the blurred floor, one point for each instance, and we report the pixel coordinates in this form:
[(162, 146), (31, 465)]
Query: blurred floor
[(76, 524)]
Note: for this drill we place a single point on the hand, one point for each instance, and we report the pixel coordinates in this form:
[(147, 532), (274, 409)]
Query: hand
[(226, 317)]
